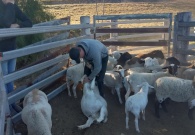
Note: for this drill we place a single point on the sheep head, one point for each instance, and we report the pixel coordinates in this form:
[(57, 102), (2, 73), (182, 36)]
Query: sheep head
[(88, 85)]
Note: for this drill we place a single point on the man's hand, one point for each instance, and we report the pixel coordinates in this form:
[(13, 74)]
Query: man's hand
[(86, 79)]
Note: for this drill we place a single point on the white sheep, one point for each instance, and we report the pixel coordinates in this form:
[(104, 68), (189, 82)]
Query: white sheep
[(188, 74), (114, 80), (134, 79), (111, 63), (93, 105), (74, 73), (37, 113), (116, 54), (137, 103), (177, 89)]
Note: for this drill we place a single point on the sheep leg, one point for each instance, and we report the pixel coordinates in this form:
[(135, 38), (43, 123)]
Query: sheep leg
[(136, 123), (68, 86), (190, 114), (157, 109), (103, 115), (127, 119), (74, 89), (87, 124), (119, 95), (164, 106), (143, 115)]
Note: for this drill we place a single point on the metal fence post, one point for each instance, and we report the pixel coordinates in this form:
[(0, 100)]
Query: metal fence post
[(85, 20), (4, 106)]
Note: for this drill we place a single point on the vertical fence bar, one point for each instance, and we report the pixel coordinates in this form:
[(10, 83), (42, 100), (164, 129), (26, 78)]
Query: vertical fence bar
[(4, 106), (169, 38), (94, 26), (113, 36)]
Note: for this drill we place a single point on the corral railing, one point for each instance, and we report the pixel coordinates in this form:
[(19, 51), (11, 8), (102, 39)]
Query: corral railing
[(182, 36), (161, 35), (54, 64)]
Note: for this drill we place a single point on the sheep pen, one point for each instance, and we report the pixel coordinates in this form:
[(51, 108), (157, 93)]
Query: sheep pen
[(67, 115)]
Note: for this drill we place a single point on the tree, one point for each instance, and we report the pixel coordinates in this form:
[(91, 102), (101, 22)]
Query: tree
[(34, 9)]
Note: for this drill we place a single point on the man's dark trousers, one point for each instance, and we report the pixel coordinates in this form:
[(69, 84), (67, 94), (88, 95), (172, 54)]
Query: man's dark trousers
[(100, 76)]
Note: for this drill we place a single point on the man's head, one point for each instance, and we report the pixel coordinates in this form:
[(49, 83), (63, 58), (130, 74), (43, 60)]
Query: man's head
[(74, 54)]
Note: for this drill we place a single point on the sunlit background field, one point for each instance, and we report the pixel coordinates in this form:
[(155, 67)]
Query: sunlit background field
[(77, 10)]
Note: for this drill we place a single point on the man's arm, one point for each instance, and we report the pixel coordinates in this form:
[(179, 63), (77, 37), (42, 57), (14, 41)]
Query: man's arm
[(97, 62), (24, 20)]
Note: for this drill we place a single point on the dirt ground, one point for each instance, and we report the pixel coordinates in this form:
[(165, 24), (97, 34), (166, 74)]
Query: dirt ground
[(67, 115)]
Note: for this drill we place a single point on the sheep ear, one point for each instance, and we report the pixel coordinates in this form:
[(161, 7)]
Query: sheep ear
[(150, 86), (93, 84), (166, 67)]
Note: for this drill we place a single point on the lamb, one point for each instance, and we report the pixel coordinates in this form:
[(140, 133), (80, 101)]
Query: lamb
[(37, 113), (177, 89), (138, 60), (93, 105), (114, 79), (153, 64), (116, 54), (135, 79), (74, 73), (111, 63), (188, 74), (137, 103)]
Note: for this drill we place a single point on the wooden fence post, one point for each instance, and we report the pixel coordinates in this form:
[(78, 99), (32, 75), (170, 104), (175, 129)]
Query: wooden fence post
[(179, 45), (85, 20), (114, 35)]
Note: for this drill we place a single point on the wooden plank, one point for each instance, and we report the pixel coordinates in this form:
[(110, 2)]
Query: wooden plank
[(129, 22), (136, 36), (186, 38), (186, 52), (132, 16), (132, 30), (187, 24), (122, 43)]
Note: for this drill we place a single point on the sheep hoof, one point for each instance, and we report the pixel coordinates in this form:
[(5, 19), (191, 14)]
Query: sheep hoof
[(127, 127), (99, 120), (105, 120), (80, 127), (138, 131), (75, 96)]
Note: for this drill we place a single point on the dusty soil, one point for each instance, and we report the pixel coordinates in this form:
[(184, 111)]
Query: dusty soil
[(67, 115)]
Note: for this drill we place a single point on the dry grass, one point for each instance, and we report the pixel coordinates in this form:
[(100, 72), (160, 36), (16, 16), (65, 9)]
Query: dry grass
[(77, 10)]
